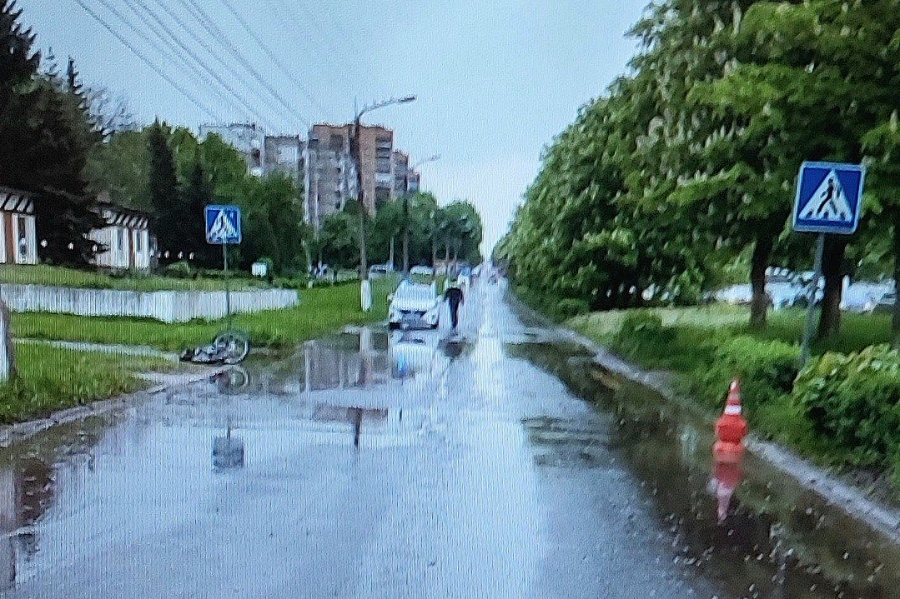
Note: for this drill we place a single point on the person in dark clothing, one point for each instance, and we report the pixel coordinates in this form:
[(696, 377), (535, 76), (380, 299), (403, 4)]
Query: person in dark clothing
[(454, 297)]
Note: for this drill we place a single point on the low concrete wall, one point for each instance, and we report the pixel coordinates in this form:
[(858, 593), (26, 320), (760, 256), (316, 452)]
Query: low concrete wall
[(167, 306)]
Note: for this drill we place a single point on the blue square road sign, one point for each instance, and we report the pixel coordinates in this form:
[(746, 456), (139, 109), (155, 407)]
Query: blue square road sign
[(829, 198), (223, 224)]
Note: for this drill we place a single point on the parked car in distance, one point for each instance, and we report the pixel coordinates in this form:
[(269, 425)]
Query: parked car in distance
[(422, 271), (414, 305), (885, 304), (380, 270)]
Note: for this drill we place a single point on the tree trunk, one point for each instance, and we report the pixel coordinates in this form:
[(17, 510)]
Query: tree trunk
[(895, 322), (759, 303), (832, 269), (7, 360)]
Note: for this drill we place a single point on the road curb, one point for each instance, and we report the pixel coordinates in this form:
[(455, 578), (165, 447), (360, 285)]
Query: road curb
[(847, 497), (13, 433)]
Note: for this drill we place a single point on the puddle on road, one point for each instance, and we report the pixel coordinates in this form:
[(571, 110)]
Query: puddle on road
[(777, 539)]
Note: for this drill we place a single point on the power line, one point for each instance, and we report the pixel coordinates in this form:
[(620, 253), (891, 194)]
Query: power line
[(272, 56), (220, 36), (288, 24), (147, 61), (341, 31), (196, 58), (163, 51), (279, 106)]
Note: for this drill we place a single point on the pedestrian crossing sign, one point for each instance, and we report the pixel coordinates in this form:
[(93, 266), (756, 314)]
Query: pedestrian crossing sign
[(829, 198), (223, 224)]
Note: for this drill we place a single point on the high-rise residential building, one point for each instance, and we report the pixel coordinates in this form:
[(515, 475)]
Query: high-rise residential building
[(247, 138), (331, 177), (401, 171), (264, 154), (284, 154), (414, 180)]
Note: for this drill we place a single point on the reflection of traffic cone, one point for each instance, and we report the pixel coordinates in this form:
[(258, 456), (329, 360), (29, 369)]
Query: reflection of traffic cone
[(728, 476)]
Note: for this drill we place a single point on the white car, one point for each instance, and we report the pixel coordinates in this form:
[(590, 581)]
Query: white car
[(414, 305)]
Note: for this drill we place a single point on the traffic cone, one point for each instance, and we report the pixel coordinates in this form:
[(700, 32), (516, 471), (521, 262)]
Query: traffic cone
[(731, 428)]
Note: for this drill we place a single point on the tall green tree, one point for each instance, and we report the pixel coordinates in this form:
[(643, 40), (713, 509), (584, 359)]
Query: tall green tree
[(45, 136), (164, 196)]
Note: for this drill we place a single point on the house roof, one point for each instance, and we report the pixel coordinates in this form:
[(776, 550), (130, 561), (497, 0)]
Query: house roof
[(16, 200)]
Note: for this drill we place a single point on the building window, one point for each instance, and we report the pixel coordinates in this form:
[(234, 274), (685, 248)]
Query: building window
[(383, 165), (120, 239), (138, 245), (22, 238)]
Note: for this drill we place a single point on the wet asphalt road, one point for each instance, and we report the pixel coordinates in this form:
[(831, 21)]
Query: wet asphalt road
[(367, 465)]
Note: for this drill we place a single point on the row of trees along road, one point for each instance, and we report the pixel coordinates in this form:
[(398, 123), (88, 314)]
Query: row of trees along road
[(451, 232), (689, 162)]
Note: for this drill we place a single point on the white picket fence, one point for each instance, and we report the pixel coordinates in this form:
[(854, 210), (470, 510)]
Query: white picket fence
[(166, 306)]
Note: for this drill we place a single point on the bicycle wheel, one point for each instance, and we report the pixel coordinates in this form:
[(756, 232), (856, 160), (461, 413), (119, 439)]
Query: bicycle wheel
[(235, 345)]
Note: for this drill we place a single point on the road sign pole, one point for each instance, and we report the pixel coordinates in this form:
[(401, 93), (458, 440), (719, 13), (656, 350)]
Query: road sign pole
[(227, 286), (811, 310)]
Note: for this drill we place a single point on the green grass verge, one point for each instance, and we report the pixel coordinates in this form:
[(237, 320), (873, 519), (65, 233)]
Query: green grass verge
[(694, 326), (68, 277), (51, 379), (702, 371), (322, 310)]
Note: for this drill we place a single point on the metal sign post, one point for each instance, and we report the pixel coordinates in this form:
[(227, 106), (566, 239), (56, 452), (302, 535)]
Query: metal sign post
[(223, 227), (829, 201), (811, 309)]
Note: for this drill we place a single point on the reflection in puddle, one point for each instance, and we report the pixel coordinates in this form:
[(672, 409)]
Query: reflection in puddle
[(28, 488), (751, 527)]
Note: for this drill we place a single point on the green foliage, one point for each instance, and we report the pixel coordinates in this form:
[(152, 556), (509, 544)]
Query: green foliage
[(854, 401), (321, 311), (45, 137), (180, 270), (51, 379), (766, 369)]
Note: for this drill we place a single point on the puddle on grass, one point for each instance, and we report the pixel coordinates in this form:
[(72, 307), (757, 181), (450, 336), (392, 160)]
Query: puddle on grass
[(776, 539)]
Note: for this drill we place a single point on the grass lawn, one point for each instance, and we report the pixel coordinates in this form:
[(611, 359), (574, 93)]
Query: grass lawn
[(322, 310), (42, 274), (52, 379), (693, 326)]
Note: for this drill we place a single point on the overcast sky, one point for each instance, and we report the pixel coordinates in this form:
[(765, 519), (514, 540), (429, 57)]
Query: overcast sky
[(495, 80)]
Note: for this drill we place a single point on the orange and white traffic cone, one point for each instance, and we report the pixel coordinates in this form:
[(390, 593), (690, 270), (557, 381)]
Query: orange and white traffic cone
[(731, 427)]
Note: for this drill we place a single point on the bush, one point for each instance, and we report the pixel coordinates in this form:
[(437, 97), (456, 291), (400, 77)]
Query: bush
[(643, 326), (180, 270), (854, 400), (766, 369), (571, 307)]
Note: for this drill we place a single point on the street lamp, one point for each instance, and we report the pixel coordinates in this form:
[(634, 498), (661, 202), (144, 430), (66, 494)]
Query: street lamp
[(406, 211), (365, 289)]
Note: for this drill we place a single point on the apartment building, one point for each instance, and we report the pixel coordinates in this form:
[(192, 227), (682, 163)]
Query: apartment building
[(284, 154), (331, 177), (401, 171), (248, 139)]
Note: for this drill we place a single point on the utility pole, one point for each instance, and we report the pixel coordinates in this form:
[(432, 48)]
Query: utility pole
[(356, 151), (365, 288)]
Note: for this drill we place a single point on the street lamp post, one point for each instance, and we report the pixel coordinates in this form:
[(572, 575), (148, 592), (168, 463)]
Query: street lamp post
[(406, 212), (365, 289)]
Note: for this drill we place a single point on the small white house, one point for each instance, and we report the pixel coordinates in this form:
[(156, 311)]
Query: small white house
[(18, 237), (126, 237)]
